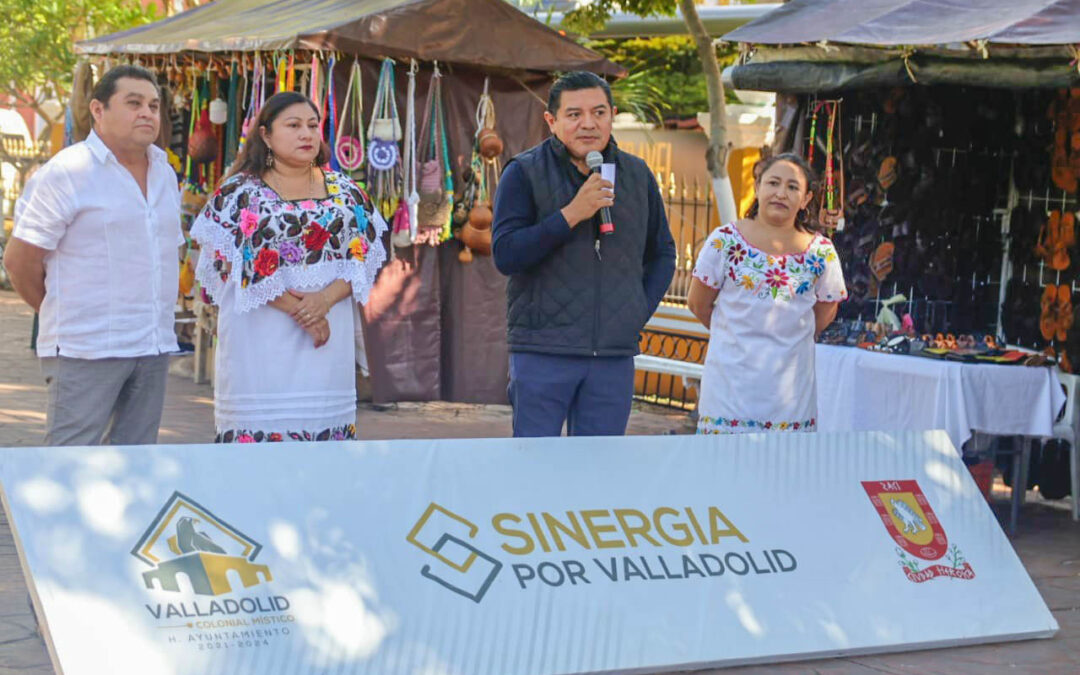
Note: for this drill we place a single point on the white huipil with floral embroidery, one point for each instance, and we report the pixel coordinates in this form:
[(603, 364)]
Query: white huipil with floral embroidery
[(759, 371), (271, 383)]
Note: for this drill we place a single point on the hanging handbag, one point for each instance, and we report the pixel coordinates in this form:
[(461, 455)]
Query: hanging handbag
[(436, 205), (385, 124), (383, 156), (401, 228), (384, 131)]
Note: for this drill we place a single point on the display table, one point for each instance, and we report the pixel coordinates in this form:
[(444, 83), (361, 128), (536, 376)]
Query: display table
[(859, 390)]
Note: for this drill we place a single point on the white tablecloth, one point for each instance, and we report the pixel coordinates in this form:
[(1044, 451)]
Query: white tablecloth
[(859, 390)]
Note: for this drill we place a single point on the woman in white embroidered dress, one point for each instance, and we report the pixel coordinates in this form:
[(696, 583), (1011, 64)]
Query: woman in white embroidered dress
[(286, 251), (765, 286)]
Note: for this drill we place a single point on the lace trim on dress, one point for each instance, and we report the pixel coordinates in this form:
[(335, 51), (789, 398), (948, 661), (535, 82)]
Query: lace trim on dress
[(219, 242)]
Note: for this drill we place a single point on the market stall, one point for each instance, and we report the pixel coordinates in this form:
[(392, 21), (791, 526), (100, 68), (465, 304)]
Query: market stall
[(946, 134), (948, 139), (434, 327)]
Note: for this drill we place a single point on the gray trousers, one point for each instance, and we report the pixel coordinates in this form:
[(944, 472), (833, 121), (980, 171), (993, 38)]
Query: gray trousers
[(113, 401)]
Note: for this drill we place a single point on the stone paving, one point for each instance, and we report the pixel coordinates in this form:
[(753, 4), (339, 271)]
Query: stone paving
[(1048, 544)]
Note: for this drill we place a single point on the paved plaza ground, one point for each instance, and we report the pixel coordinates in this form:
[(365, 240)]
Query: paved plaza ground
[(1048, 542)]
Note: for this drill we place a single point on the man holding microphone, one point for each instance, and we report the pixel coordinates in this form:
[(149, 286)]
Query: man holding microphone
[(589, 261)]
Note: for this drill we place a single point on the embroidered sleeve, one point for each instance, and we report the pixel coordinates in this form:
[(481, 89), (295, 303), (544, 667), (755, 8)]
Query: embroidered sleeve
[(219, 237), (263, 245), (711, 266), (825, 264), (365, 234)]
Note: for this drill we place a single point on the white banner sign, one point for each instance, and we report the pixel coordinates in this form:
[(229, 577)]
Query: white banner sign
[(504, 557)]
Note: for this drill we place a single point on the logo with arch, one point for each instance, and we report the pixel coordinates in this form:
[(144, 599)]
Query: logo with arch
[(186, 538)]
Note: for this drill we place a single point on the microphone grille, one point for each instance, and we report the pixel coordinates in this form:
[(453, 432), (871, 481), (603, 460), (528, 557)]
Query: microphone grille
[(594, 159)]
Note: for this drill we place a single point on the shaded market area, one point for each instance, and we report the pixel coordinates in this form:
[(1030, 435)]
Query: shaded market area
[(947, 139)]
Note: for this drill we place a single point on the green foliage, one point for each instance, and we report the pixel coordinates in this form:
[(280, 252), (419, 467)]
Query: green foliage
[(37, 42), (589, 18), (668, 68)]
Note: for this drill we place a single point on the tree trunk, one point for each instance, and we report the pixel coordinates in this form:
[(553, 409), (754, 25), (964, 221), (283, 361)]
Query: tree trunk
[(34, 105), (716, 158)]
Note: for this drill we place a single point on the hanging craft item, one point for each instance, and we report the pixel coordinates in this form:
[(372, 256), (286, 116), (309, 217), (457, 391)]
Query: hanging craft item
[(315, 89), (383, 157), (831, 212), (331, 111), (349, 142), (385, 124), (203, 144), (255, 102), (232, 139), (476, 231), (436, 184), (219, 111), (404, 226), (281, 68), (488, 141)]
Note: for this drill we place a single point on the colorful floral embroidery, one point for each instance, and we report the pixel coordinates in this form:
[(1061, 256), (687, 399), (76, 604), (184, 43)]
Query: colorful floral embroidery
[(346, 432), (358, 248), (725, 425), (270, 233), (769, 276), (736, 254)]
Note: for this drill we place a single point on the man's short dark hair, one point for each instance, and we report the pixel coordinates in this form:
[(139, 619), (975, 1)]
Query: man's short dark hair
[(106, 86), (579, 79)]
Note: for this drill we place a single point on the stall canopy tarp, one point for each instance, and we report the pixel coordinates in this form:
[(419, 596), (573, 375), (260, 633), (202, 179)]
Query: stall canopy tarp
[(1008, 44), (480, 33), (916, 22), (434, 328)]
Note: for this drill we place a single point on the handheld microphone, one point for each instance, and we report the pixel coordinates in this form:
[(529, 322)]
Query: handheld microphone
[(607, 226)]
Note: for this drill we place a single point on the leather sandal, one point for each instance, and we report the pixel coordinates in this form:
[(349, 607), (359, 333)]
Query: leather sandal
[(1064, 312), (1048, 320)]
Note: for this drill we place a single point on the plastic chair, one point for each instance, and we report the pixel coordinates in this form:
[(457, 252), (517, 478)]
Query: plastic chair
[(1066, 429)]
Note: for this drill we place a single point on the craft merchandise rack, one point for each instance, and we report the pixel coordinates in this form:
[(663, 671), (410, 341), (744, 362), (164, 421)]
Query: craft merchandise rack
[(934, 205)]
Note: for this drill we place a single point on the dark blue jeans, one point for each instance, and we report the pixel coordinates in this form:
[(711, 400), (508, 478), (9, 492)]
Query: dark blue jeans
[(591, 395)]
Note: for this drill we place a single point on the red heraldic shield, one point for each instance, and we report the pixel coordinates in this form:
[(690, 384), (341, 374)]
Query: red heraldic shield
[(907, 516)]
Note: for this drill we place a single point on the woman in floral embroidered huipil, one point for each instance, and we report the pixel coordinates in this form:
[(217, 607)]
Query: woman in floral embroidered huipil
[(765, 286), (286, 251)]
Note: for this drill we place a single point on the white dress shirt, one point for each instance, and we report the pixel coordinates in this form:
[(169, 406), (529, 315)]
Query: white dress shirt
[(112, 271)]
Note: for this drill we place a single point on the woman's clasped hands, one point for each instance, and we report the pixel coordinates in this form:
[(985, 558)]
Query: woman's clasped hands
[(310, 313)]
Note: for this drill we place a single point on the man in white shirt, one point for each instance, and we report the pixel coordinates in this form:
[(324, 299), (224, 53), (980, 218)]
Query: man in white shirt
[(94, 251)]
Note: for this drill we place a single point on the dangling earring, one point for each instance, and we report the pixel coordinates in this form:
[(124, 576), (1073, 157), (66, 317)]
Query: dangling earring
[(269, 158)]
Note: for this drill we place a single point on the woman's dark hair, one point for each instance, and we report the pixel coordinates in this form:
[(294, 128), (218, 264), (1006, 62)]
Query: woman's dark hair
[(805, 219), (252, 158)]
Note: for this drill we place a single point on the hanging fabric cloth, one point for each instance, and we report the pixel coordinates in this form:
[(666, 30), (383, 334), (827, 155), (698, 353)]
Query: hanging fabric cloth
[(232, 126), (331, 112), (282, 74), (315, 88)]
